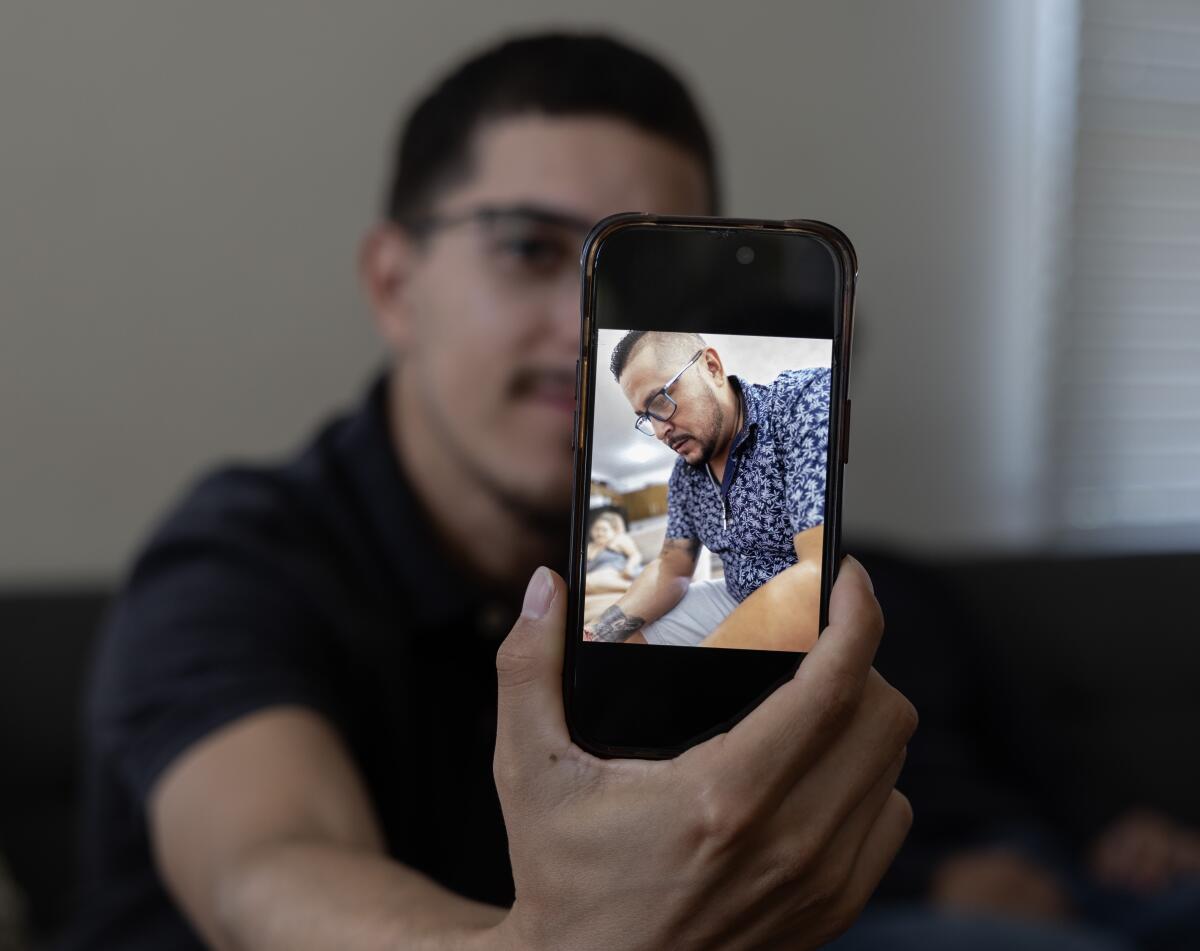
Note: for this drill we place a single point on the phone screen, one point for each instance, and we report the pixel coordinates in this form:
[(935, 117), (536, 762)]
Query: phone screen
[(709, 474), (709, 468)]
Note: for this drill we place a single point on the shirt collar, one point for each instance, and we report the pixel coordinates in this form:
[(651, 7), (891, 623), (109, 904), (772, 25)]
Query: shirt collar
[(436, 593), (753, 406)]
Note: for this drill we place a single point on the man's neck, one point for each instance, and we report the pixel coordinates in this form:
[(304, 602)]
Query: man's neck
[(490, 540), (734, 414)]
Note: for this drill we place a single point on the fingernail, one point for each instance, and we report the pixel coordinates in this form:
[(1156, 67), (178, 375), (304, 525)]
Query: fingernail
[(866, 574), (538, 595)]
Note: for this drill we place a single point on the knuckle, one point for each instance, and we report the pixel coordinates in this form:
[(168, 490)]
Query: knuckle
[(506, 774), (904, 715), (842, 692), (891, 709), (825, 887), (794, 865), (910, 719), (720, 820), (515, 665), (829, 869), (805, 855), (825, 890), (782, 874), (874, 619), (903, 809)]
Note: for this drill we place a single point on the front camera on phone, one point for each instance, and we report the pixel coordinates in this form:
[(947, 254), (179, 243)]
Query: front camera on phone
[(745, 254)]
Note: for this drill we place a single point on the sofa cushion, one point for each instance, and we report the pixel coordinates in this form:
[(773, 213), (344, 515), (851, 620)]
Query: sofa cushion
[(45, 645), (1089, 672)]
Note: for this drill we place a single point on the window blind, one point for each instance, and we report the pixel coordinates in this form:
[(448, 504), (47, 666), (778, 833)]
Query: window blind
[(1126, 453)]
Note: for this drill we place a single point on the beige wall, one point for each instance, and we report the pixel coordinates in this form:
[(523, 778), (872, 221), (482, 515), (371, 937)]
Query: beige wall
[(182, 186)]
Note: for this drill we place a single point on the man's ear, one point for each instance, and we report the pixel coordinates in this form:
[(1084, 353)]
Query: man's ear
[(713, 366), (385, 265)]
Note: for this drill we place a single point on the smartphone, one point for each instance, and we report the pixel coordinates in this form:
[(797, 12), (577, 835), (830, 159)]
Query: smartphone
[(710, 438)]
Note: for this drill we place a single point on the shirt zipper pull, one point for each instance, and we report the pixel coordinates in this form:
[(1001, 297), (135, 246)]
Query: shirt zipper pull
[(720, 498)]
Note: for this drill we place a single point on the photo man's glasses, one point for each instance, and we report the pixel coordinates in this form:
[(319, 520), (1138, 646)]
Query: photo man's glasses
[(661, 406)]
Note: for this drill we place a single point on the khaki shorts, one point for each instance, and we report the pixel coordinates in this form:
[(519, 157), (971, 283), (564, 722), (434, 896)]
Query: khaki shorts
[(706, 605)]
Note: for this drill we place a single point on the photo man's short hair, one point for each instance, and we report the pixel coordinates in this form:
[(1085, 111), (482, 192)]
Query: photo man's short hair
[(551, 74), (668, 344)]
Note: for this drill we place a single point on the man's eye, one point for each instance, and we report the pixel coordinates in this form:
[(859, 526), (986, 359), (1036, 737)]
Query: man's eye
[(538, 254)]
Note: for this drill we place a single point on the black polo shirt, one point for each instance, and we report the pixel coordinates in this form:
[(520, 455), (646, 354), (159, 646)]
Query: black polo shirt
[(319, 583)]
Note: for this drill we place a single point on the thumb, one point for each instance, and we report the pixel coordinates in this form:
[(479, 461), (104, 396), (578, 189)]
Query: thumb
[(529, 663), (855, 626)]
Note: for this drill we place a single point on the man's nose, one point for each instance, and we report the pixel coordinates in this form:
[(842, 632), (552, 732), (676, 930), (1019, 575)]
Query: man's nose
[(565, 307), (661, 430)]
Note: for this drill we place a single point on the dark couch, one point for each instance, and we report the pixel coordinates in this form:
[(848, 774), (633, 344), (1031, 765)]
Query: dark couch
[(1091, 669), (45, 645), (1055, 693), (1072, 685)]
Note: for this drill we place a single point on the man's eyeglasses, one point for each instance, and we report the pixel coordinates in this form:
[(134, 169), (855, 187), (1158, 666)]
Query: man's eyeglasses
[(661, 406), (528, 243)]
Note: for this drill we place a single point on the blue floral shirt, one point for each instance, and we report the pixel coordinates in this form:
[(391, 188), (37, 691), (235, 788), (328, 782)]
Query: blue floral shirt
[(774, 482)]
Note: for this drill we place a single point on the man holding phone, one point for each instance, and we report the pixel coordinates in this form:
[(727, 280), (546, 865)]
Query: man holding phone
[(748, 484), (296, 736)]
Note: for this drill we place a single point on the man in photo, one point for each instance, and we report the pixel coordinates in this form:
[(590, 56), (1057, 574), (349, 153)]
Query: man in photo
[(748, 484)]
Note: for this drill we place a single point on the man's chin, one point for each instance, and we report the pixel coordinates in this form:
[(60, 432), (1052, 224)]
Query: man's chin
[(545, 509), (541, 494)]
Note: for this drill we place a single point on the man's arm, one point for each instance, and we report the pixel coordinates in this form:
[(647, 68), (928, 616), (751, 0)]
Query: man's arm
[(653, 593), (266, 838), (784, 613), (773, 834)]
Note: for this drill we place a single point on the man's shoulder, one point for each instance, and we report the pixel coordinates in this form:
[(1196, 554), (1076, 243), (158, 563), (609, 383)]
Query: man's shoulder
[(269, 501), (242, 549), (790, 383), (221, 614), (277, 525), (793, 393)]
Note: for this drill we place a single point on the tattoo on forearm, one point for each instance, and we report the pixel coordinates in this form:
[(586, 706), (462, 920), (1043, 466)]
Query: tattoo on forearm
[(615, 625)]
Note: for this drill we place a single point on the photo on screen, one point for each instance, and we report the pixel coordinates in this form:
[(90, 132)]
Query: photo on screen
[(707, 490)]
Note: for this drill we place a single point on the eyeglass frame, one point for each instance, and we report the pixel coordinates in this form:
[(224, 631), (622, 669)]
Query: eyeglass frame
[(424, 225), (646, 415)]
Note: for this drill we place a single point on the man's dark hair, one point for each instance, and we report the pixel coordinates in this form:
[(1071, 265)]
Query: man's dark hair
[(680, 344), (553, 74), (623, 350)]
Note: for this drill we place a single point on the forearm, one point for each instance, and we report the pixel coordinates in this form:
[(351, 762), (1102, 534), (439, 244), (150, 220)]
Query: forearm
[(303, 895), (651, 595)]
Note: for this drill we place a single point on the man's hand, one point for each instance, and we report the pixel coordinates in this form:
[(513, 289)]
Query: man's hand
[(771, 835), (1145, 851), (1000, 881)]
